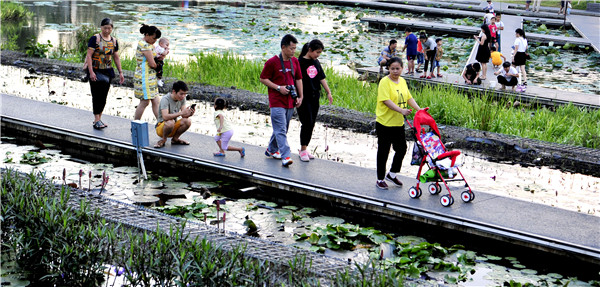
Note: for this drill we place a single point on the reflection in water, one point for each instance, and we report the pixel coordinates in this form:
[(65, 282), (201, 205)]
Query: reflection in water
[(253, 29), (571, 191)]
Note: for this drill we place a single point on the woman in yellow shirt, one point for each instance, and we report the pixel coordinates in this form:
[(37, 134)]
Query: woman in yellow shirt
[(393, 97)]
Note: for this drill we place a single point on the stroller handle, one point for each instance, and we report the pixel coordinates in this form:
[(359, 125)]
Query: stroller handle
[(408, 122)]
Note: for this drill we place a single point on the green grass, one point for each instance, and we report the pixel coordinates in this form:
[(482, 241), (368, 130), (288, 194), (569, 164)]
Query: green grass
[(13, 11), (567, 124)]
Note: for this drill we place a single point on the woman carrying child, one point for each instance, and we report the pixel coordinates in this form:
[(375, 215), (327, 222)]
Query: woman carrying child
[(393, 97), (145, 82), (313, 78), (224, 130)]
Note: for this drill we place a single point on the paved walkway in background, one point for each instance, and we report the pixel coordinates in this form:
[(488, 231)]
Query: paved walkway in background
[(517, 220), (588, 27)]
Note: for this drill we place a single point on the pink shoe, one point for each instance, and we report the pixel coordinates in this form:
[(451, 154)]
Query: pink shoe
[(304, 155), (310, 156)]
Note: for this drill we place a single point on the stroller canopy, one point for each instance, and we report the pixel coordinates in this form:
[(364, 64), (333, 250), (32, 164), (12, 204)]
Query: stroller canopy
[(422, 117)]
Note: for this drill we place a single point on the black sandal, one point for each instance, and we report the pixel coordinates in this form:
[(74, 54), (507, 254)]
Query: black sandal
[(99, 125)]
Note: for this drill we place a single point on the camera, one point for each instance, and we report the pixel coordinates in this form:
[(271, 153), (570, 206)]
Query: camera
[(193, 107), (292, 90)]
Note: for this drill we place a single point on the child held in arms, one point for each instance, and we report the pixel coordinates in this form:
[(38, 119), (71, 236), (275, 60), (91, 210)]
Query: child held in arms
[(161, 49)]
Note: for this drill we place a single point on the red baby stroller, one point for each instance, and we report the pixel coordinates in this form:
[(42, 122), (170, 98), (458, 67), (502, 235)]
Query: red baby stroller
[(430, 150)]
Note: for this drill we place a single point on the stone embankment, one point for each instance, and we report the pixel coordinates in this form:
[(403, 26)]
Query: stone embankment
[(496, 147)]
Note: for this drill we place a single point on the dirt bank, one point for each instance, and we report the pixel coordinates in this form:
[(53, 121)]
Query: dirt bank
[(497, 147)]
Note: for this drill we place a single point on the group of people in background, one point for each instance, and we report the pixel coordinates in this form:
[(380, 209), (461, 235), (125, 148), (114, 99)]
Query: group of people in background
[(424, 49), (508, 72)]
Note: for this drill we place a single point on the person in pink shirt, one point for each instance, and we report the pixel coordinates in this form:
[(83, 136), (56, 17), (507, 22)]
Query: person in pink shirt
[(494, 33)]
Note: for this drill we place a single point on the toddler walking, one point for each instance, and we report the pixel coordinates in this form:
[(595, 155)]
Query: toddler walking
[(224, 130), (162, 49), (438, 55)]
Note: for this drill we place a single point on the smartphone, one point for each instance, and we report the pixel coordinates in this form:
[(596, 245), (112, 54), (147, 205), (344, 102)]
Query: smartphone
[(193, 107)]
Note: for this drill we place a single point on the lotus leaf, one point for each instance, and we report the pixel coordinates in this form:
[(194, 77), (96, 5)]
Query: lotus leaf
[(313, 239)]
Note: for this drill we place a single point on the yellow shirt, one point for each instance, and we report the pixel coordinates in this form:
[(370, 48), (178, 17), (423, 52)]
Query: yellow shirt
[(226, 126), (397, 93), (496, 58)]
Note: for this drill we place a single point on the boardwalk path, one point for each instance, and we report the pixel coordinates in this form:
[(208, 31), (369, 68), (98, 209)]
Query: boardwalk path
[(510, 220)]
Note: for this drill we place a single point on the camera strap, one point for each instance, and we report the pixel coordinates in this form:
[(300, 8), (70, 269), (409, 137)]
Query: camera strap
[(283, 69)]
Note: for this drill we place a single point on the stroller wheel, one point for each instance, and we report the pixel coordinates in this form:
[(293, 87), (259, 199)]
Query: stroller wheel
[(413, 192), (466, 196), (446, 200), (434, 188)]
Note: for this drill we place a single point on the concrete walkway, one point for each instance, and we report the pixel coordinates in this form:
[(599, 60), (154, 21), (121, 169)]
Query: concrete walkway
[(588, 27), (511, 220)]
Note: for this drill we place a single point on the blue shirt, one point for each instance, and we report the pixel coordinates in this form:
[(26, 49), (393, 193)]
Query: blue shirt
[(411, 44), (386, 52)]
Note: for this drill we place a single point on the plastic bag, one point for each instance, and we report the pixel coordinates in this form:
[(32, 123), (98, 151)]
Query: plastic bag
[(417, 154)]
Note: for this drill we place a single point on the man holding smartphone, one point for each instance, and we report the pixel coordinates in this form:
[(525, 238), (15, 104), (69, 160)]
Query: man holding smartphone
[(172, 106)]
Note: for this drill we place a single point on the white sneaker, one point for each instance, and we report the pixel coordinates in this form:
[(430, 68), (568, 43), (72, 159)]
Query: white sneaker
[(161, 83), (275, 155), (286, 161), (304, 155)]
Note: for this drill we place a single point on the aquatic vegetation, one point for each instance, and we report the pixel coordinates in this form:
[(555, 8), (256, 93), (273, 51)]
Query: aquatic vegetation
[(33, 158), (13, 11), (413, 258), (76, 253), (39, 50), (532, 27)]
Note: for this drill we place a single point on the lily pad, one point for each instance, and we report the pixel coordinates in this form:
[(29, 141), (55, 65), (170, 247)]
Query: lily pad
[(290, 207), (126, 169), (203, 184), (175, 192), (144, 199), (154, 184), (179, 202), (150, 192), (324, 220), (175, 185)]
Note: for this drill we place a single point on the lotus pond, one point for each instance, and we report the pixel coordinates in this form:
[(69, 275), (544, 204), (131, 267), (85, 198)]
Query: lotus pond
[(568, 67), (252, 29), (248, 212), (532, 27)]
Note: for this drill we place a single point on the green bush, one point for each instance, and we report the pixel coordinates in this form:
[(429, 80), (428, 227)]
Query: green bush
[(13, 11), (35, 49)]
